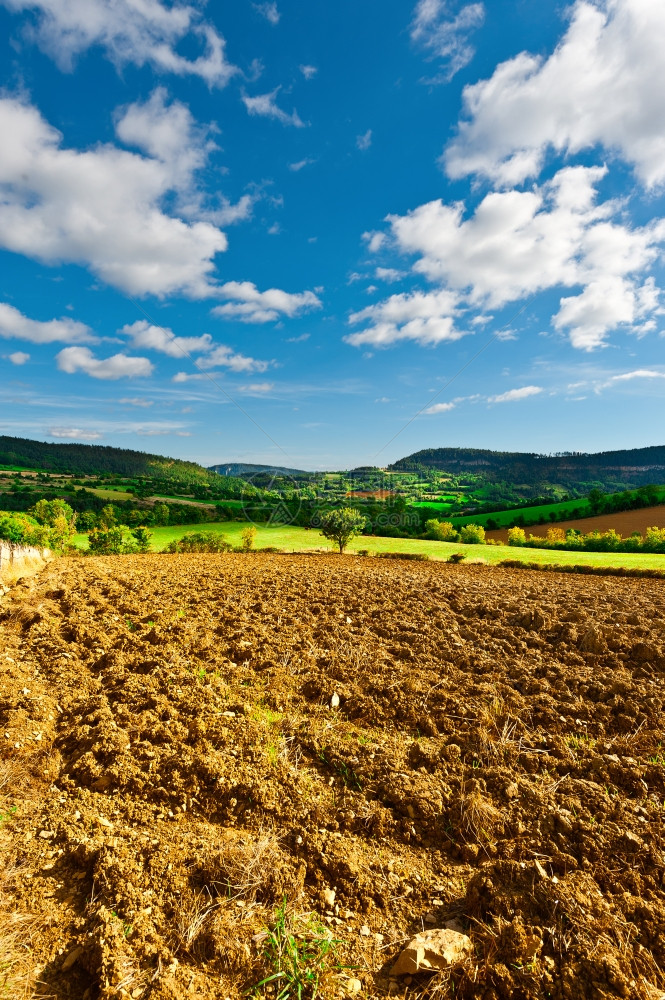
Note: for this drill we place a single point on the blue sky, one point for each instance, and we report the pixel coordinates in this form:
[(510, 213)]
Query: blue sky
[(332, 234)]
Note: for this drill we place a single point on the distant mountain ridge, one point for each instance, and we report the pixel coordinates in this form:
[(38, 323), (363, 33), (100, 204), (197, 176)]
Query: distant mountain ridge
[(634, 466), (92, 459), (247, 469)]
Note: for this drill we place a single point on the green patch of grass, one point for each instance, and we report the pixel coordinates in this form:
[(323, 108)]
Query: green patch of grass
[(5, 817), (299, 951), (287, 538)]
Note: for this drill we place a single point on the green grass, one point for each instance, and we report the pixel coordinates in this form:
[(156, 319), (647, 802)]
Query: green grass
[(108, 494), (292, 539)]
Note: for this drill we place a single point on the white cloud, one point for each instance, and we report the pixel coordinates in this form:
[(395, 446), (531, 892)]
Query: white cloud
[(146, 336), (257, 388), (514, 394), (300, 164), (298, 340), (137, 401), (81, 359), (265, 105), (101, 207), (269, 11), (250, 305), (518, 243), (15, 326), (427, 318), (440, 408), (444, 36), (309, 71), (597, 87), (364, 141), (225, 357), (74, 433), (388, 274), (639, 373), (18, 357), (374, 241), (140, 32)]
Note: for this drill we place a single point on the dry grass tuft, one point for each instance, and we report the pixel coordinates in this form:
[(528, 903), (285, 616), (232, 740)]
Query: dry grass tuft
[(480, 819), (17, 978)]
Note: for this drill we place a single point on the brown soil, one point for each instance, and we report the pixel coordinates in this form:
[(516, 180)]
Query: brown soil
[(172, 771), (625, 522)]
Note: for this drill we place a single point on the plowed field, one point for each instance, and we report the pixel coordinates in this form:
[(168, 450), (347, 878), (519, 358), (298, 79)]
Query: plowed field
[(375, 747)]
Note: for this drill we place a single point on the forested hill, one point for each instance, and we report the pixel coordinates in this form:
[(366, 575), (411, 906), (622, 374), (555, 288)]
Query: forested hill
[(94, 459), (636, 466), (247, 469)]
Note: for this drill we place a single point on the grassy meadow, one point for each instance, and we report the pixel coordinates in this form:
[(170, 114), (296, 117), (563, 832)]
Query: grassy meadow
[(292, 539)]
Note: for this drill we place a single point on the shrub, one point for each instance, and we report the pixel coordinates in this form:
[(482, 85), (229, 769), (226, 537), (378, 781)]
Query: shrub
[(441, 531), (248, 535), (516, 536), (457, 557), (472, 534), (199, 541)]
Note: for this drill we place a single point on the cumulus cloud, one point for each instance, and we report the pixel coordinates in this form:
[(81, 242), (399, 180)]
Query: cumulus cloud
[(249, 305), (74, 433), (15, 326), (519, 243), (388, 274), (81, 359), (269, 11), (265, 106), (364, 141), (425, 317), (296, 167), (102, 207), (440, 408), (18, 357), (444, 36), (139, 33), (514, 394), (597, 87), (146, 336)]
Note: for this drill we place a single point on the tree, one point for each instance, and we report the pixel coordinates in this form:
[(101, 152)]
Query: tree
[(516, 536), (473, 534), (441, 531), (248, 535), (341, 525)]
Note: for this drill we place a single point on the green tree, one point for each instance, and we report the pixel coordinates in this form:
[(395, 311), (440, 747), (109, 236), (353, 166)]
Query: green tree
[(60, 520), (108, 516), (516, 536), (341, 525), (160, 513), (441, 531), (142, 538), (248, 536), (473, 534)]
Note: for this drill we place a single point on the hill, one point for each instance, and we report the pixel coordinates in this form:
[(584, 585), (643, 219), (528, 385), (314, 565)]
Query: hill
[(94, 459), (610, 469), (244, 469)]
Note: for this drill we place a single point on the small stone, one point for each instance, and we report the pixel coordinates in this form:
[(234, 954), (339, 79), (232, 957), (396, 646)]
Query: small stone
[(541, 871), (103, 821), (46, 834), (430, 918), (353, 986), (365, 931), (334, 701), (431, 950), (71, 958), (329, 897)]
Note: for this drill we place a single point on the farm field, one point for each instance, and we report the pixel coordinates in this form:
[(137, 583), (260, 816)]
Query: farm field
[(174, 773), (293, 539), (625, 522)]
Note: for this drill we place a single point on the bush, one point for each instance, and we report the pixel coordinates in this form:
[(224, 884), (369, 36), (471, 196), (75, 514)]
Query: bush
[(456, 557), (248, 535), (417, 556), (199, 541), (472, 534), (516, 536), (441, 531)]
